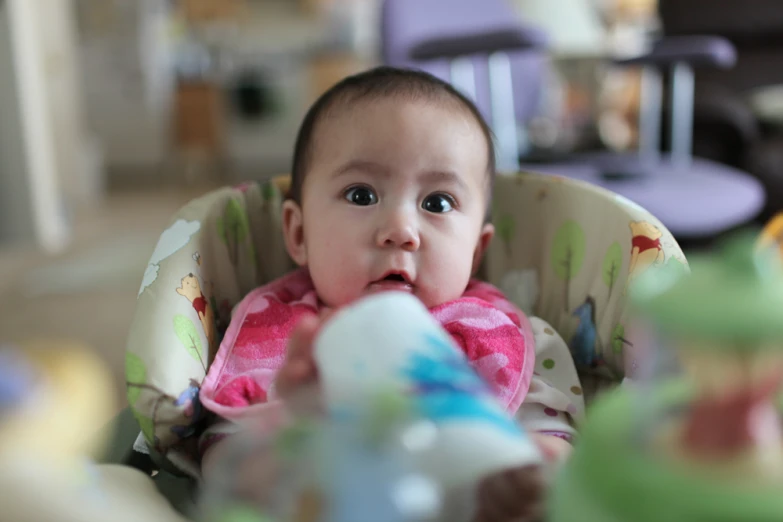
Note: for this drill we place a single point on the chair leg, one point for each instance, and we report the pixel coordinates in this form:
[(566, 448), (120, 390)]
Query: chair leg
[(504, 124), (682, 89), (463, 76), (504, 121), (650, 117)]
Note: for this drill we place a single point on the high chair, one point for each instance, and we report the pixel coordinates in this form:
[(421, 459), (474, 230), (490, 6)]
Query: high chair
[(564, 251)]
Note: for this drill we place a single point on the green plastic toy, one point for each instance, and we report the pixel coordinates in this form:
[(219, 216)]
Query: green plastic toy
[(707, 444)]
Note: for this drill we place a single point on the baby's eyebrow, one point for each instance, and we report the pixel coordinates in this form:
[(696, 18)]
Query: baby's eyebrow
[(365, 166), (445, 176)]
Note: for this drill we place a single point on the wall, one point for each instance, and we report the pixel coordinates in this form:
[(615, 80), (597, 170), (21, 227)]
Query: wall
[(80, 180), (31, 204), (298, 54), (574, 27), (15, 222), (125, 55)]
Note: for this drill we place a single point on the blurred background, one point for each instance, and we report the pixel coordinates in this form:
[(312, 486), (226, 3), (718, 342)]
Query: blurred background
[(114, 113)]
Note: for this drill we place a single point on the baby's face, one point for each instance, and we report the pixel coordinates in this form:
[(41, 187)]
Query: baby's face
[(394, 199)]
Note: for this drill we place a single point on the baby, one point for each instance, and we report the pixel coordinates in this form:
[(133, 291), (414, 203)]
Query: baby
[(391, 190)]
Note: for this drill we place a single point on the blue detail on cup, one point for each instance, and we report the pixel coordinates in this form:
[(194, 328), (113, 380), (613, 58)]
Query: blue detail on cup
[(446, 388)]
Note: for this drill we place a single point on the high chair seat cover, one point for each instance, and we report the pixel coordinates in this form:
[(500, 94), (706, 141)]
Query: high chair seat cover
[(564, 251)]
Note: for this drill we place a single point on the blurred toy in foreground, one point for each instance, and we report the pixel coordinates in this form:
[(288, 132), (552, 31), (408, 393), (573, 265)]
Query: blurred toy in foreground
[(703, 442), (772, 235), (323, 469), (409, 431), (54, 400), (726, 321)]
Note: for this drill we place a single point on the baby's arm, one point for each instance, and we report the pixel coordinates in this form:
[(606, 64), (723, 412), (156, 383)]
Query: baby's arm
[(214, 446), (251, 473), (297, 373)]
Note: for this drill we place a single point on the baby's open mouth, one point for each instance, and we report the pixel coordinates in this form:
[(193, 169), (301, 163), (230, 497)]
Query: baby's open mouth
[(392, 281), (395, 277)]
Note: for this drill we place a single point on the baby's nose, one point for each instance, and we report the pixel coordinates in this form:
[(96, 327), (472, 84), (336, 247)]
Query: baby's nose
[(401, 231)]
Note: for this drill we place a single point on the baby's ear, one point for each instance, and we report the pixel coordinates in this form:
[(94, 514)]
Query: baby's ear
[(487, 233), (293, 232)]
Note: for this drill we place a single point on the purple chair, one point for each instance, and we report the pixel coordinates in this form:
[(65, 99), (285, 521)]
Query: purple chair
[(464, 40), (487, 54), (695, 198), (727, 125)]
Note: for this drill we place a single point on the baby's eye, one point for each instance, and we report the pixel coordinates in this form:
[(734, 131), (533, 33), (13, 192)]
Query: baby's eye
[(438, 203), (362, 196)]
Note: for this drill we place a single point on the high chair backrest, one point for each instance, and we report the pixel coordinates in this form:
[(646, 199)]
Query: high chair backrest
[(563, 250)]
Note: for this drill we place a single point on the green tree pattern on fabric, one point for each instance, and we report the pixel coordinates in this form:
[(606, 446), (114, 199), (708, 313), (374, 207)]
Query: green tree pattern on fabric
[(505, 228), (233, 228), (147, 427), (135, 374), (618, 339), (613, 260), (188, 335), (268, 192), (567, 255), (677, 267)]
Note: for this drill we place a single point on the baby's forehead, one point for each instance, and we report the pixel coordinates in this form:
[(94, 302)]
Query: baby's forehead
[(369, 117)]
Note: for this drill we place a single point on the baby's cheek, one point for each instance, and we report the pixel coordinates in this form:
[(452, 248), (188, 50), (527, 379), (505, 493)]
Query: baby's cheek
[(338, 281), (450, 273)]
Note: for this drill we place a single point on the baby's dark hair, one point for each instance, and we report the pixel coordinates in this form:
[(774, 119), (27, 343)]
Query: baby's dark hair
[(377, 83)]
